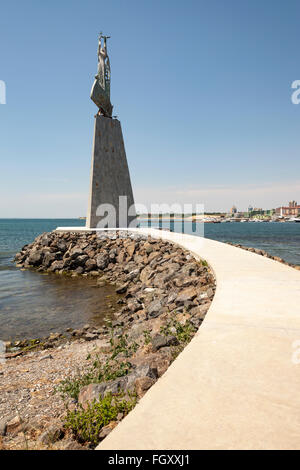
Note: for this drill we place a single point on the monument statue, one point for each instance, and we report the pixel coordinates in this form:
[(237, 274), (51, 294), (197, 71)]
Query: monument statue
[(100, 93), (111, 202)]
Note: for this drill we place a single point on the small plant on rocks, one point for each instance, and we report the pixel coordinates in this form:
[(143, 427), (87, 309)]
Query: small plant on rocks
[(120, 346), (97, 373), (147, 336), (86, 424), (183, 333)]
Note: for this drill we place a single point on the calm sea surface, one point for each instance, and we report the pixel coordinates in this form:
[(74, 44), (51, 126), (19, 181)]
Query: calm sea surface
[(33, 304)]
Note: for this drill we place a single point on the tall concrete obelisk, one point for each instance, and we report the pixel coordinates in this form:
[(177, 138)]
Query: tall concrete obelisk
[(110, 186)]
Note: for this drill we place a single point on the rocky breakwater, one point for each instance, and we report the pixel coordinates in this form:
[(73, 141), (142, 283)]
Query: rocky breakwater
[(164, 296), (264, 253)]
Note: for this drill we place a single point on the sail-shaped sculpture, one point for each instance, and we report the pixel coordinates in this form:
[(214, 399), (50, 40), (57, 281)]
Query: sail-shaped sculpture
[(100, 93), (111, 202)]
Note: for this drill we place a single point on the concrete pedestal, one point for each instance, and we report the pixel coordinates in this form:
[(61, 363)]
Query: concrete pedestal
[(110, 184)]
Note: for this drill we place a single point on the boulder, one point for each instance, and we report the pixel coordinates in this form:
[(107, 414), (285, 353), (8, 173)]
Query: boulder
[(105, 431), (130, 248), (210, 293), (48, 259), (68, 444), (142, 384), (81, 260), (160, 341), (20, 257), (129, 267), (52, 434), (146, 274), (54, 336), (155, 308), (93, 391), (182, 318), (90, 336), (79, 270), (121, 256), (46, 239), (134, 306), (113, 254), (153, 255), (102, 261), (62, 246), (143, 370), (133, 274), (35, 258), (56, 266), (161, 363), (76, 251), (189, 293), (14, 425), (122, 289), (148, 247)]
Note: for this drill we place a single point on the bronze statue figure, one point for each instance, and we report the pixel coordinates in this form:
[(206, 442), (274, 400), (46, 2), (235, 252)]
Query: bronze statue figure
[(100, 93)]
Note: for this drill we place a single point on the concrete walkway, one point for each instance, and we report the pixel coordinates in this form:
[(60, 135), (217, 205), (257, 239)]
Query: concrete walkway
[(236, 385)]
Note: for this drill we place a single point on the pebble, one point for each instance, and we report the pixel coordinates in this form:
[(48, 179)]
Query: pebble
[(48, 356)]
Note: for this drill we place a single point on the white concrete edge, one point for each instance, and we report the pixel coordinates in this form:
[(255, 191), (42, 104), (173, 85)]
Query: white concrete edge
[(235, 385)]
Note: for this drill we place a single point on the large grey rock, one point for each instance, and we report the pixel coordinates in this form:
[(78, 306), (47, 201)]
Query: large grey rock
[(81, 260), (93, 391), (210, 293), (146, 275), (90, 336), (160, 341), (90, 265), (189, 293), (200, 310), (122, 289), (105, 431), (102, 260), (51, 435), (75, 252), (155, 308), (144, 370), (46, 239), (14, 424), (130, 248), (56, 266), (61, 245), (133, 274), (35, 258), (129, 267), (48, 259), (142, 384)]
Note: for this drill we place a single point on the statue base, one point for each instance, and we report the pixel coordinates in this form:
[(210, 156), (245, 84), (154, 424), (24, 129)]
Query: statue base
[(111, 202)]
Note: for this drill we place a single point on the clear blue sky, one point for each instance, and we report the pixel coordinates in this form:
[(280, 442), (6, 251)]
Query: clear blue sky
[(202, 89)]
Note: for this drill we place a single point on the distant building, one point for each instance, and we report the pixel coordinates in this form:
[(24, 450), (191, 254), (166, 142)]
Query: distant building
[(292, 210), (233, 210), (250, 208)]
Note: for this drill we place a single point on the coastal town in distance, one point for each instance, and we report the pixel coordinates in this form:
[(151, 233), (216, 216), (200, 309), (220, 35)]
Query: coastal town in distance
[(289, 213)]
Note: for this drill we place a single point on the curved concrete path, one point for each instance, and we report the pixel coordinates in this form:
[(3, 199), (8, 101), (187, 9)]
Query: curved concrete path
[(236, 385)]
